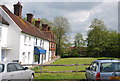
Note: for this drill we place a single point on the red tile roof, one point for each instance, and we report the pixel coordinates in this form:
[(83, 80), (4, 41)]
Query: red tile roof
[(50, 35), (25, 26)]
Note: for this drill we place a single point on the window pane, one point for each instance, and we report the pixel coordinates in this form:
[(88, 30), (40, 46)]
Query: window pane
[(1, 68), (11, 67), (110, 67), (19, 67)]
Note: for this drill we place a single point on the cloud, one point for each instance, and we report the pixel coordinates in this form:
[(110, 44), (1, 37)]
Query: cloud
[(108, 12), (80, 14)]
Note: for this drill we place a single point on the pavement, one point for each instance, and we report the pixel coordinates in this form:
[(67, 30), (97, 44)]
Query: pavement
[(53, 60)]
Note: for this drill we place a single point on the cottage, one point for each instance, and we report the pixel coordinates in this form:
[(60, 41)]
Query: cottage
[(23, 42)]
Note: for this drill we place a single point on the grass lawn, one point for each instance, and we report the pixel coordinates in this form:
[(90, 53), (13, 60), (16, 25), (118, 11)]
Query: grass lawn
[(78, 75)]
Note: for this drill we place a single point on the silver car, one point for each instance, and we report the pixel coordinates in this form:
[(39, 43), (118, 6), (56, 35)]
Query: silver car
[(10, 71), (103, 69)]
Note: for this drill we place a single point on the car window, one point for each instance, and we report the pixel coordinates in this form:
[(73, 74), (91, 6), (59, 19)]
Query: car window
[(11, 67), (19, 67), (94, 66), (1, 68), (110, 67)]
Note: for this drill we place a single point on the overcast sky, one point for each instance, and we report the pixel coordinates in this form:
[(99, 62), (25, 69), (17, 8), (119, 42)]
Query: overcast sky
[(79, 13)]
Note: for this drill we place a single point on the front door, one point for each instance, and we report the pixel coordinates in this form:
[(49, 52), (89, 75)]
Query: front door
[(3, 55)]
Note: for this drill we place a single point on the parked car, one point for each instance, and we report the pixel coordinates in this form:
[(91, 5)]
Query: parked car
[(103, 69), (10, 71)]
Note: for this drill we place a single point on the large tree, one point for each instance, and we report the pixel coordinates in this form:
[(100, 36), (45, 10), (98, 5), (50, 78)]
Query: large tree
[(60, 26), (102, 42), (96, 38), (78, 40)]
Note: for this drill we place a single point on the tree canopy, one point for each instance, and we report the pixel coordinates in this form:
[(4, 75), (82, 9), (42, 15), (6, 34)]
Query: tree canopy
[(101, 42), (60, 26)]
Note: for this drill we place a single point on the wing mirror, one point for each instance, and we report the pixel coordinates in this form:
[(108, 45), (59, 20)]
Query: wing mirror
[(26, 68), (88, 68)]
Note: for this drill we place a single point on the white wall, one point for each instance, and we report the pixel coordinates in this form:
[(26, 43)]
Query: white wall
[(4, 36), (13, 38), (26, 47), (46, 47)]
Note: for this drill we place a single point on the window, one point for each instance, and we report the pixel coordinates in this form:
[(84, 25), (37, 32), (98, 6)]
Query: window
[(110, 67), (23, 56), (3, 55), (29, 40), (36, 41), (19, 67), (28, 56), (40, 43), (94, 66), (0, 33), (25, 39), (11, 67), (1, 68)]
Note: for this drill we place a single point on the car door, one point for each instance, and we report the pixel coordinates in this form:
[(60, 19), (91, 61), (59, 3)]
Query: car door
[(12, 72), (94, 70), (88, 72), (24, 73)]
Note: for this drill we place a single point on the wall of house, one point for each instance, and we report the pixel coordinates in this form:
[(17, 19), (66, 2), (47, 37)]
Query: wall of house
[(46, 47), (12, 46), (27, 43), (4, 31), (26, 49), (3, 41), (19, 46)]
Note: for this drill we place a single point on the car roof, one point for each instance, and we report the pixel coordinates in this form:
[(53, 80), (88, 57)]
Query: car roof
[(106, 60)]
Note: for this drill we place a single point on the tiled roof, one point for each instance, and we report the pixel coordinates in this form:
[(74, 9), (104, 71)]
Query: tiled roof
[(25, 26), (50, 35)]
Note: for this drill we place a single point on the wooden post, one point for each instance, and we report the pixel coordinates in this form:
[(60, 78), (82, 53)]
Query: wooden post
[(76, 67)]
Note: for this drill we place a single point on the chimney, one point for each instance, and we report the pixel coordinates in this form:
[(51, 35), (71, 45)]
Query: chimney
[(29, 17), (44, 26), (48, 29), (37, 23), (18, 9)]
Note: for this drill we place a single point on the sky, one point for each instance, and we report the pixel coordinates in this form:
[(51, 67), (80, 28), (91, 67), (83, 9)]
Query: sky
[(80, 13)]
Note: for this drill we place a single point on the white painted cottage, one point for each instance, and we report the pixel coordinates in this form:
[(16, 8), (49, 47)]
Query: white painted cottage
[(23, 42)]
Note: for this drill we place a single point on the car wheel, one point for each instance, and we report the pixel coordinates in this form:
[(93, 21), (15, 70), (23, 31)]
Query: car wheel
[(32, 78)]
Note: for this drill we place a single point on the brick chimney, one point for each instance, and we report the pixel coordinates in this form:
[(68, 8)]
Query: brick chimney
[(37, 23), (48, 28), (18, 9), (44, 27), (29, 17)]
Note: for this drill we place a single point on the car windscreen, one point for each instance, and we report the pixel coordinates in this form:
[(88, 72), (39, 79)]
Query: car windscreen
[(110, 67), (1, 68)]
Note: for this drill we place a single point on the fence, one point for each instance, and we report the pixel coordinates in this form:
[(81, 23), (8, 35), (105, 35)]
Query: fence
[(41, 69)]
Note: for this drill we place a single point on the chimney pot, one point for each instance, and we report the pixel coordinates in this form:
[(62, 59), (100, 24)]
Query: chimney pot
[(38, 19), (44, 26), (29, 17), (37, 24)]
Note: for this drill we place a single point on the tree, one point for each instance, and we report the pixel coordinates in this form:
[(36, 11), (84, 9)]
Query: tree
[(102, 42), (96, 38), (60, 26), (79, 41)]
